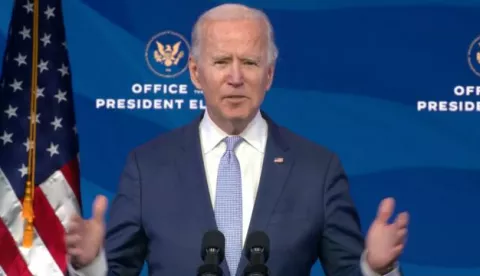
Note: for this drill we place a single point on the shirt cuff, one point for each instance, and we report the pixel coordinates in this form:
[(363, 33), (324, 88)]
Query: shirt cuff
[(96, 268), (367, 271)]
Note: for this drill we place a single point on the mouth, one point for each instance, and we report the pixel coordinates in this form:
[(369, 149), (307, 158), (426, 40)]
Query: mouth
[(235, 98)]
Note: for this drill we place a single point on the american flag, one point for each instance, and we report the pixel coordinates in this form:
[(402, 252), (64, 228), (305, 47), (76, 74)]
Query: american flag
[(44, 127)]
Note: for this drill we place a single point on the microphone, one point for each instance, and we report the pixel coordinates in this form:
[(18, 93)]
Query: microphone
[(212, 252), (257, 252)]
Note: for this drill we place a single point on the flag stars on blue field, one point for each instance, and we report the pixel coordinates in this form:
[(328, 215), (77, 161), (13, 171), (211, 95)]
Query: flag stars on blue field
[(46, 39), (16, 85), (50, 12), (55, 137), (60, 96), (40, 92), (21, 59), (29, 144), (28, 7), (63, 70), (37, 118), (25, 33), (57, 123), (6, 137), (53, 149), (23, 170), (11, 111), (43, 66)]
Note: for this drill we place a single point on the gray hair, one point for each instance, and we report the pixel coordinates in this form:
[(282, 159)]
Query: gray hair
[(233, 12)]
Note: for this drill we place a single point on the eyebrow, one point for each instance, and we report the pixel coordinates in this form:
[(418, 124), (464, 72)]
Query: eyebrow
[(221, 56), (229, 57), (252, 58)]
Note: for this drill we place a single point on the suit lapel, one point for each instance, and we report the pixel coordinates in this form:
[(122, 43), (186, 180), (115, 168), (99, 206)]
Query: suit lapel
[(191, 168), (277, 164), (274, 174)]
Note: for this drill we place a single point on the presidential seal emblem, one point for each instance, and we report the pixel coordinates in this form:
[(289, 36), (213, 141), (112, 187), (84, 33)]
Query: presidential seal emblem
[(474, 56), (167, 53)]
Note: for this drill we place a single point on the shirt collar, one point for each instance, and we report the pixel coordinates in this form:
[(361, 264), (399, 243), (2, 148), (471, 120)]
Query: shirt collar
[(254, 134)]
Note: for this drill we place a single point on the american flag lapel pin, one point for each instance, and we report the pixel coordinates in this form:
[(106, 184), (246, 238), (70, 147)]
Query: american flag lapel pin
[(278, 160)]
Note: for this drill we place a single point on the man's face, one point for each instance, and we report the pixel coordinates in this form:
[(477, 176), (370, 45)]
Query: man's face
[(233, 69)]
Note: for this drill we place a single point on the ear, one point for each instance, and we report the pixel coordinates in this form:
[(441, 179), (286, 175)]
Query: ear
[(194, 76), (270, 74)]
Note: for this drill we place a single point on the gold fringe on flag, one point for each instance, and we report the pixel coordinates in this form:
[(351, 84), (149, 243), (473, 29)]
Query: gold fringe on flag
[(28, 213)]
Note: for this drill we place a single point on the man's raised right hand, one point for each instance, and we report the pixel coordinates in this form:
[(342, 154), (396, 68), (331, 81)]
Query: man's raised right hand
[(84, 238)]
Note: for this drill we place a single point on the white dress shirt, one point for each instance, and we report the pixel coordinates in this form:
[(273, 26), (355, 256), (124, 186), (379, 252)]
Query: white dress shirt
[(250, 154)]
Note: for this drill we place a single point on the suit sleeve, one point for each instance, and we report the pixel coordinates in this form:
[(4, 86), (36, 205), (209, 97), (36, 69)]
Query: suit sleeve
[(341, 245), (126, 242)]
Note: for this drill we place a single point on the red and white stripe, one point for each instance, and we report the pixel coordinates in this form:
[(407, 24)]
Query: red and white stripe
[(55, 201)]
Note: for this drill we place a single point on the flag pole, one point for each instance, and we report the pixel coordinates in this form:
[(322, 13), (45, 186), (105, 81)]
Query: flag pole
[(28, 213)]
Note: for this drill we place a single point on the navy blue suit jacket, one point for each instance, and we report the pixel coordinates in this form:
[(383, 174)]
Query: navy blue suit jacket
[(163, 208)]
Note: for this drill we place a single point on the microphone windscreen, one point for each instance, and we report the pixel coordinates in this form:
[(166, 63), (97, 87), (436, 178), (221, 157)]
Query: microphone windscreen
[(257, 269), (258, 241), (209, 269), (213, 240)]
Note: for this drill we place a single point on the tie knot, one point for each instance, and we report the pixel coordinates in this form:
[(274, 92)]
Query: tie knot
[(232, 142)]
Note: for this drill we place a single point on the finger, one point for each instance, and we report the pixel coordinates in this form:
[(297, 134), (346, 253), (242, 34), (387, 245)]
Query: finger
[(73, 241), (402, 233), (401, 236), (402, 220), (397, 250), (385, 210), (74, 253), (75, 226), (75, 218), (99, 208)]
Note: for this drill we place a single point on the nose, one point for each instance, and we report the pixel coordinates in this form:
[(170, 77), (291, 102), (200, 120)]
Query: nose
[(235, 77)]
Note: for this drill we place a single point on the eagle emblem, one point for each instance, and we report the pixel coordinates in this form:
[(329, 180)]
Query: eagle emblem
[(167, 54)]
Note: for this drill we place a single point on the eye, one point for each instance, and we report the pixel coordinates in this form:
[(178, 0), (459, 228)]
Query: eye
[(250, 63), (220, 62)]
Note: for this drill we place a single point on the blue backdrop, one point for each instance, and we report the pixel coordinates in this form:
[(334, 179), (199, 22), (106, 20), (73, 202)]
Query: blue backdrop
[(350, 76)]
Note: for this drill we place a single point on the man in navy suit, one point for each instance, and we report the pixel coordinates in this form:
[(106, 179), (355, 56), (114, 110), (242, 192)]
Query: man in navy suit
[(235, 170)]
